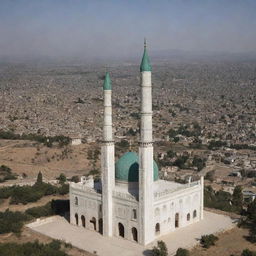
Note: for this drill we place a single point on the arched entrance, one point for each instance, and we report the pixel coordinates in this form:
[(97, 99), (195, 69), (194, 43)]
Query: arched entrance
[(83, 220), (194, 214), (135, 234), (121, 229), (177, 220), (76, 216), (93, 221), (157, 229), (100, 226)]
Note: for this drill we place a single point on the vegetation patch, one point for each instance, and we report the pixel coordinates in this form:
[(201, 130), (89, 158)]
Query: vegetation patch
[(32, 248), (12, 221), (208, 240), (6, 174), (27, 194), (223, 200), (46, 140)]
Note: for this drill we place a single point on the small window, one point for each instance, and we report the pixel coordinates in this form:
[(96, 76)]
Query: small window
[(134, 214), (157, 229), (76, 200), (100, 208)]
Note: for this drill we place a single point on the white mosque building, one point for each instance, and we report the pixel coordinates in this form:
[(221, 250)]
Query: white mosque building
[(131, 201)]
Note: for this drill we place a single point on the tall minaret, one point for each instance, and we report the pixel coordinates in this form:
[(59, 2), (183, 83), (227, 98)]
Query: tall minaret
[(146, 227), (107, 161)]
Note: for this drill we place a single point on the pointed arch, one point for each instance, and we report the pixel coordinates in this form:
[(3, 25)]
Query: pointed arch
[(76, 217), (83, 220), (121, 229), (135, 234)]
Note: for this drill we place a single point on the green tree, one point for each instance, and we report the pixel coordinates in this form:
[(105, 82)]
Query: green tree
[(160, 249), (182, 252), (75, 179), (237, 197), (247, 252), (39, 179), (62, 178), (171, 153), (210, 175), (208, 240)]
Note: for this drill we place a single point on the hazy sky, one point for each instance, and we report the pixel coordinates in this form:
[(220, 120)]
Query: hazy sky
[(117, 27)]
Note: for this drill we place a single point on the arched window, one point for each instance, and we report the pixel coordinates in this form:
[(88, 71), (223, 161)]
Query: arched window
[(100, 226), (194, 214), (177, 220), (135, 234), (83, 220), (76, 216), (157, 228), (157, 212), (93, 221), (121, 229), (188, 217), (134, 214), (76, 200)]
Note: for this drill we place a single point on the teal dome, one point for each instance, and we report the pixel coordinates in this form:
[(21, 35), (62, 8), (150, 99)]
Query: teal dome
[(127, 168)]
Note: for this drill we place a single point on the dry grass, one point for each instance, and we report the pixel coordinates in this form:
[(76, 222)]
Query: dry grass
[(28, 235), (30, 157), (230, 242)]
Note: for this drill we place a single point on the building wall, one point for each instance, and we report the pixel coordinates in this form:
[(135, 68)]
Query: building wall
[(88, 203), (124, 211), (182, 202), (85, 203)]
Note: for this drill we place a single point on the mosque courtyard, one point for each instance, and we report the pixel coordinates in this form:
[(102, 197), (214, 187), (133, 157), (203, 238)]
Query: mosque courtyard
[(59, 228)]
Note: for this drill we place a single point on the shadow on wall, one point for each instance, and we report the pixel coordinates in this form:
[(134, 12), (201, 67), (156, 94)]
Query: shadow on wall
[(148, 252), (61, 207)]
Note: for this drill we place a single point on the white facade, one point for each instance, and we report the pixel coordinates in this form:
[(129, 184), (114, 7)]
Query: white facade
[(139, 208)]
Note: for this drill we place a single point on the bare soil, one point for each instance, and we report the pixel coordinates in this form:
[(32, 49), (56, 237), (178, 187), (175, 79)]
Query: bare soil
[(31, 157), (28, 235), (230, 242)]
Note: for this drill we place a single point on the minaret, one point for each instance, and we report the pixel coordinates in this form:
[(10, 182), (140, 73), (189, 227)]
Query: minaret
[(146, 227), (107, 160)]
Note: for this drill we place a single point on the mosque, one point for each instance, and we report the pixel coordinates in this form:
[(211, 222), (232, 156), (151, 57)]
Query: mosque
[(130, 201)]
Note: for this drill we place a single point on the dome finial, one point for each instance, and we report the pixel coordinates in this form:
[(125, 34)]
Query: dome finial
[(107, 82), (145, 63)]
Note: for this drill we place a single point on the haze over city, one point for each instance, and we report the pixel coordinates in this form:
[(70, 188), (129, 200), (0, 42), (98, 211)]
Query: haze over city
[(105, 29), (127, 127)]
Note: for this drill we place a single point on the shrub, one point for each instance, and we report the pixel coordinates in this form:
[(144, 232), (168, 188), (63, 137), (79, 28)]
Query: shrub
[(247, 252), (62, 178), (64, 189), (208, 240), (12, 221), (160, 249), (182, 252), (41, 211), (75, 179), (32, 248)]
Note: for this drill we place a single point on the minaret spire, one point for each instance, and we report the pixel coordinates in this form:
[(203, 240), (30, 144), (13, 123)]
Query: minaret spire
[(146, 232), (107, 160)]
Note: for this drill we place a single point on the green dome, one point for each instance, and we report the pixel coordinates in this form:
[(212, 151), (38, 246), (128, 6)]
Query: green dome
[(127, 168)]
